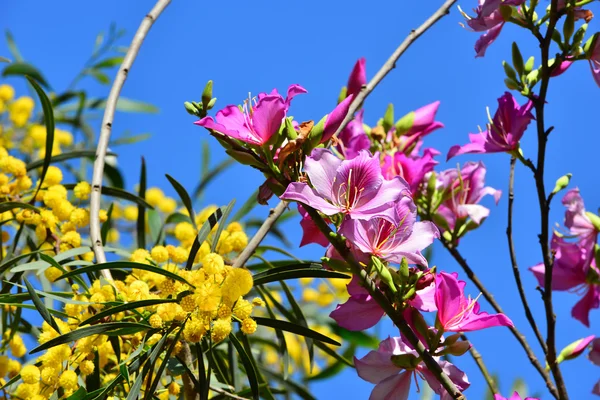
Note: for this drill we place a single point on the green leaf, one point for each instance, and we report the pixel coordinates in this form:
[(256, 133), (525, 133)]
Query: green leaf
[(176, 218), (108, 62), (141, 219), (163, 364), (4, 59), (49, 121), (211, 175), (358, 338), (79, 394), (248, 365), (126, 307), (12, 46), (100, 76), (106, 225), (155, 226), (294, 328), (210, 223), (134, 106), (110, 328), (289, 272), (221, 226), (24, 69), (129, 139), (301, 320), (114, 175), (39, 305), (65, 156), (125, 265), (246, 207), (118, 193), (184, 196), (282, 346), (10, 205)]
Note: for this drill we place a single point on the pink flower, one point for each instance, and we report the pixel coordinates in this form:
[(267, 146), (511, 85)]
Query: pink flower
[(422, 124), (411, 168), (574, 349), (466, 189), (594, 354), (456, 313), (335, 118), (392, 381), (488, 18), (310, 231), (358, 77), (577, 221), (595, 59), (353, 187), (353, 138), (515, 396), (255, 124), (360, 311), (394, 240), (573, 264), (505, 131)]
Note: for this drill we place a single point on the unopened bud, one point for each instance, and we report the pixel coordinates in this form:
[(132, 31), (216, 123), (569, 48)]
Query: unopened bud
[(575, 349), (562, 183), (388, 118), (458, 348), (517, 59), (594, 219), (189, 107), (207, 94), (529, 64)]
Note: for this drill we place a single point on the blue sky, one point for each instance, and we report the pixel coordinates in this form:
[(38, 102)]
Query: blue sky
[(256, 46)]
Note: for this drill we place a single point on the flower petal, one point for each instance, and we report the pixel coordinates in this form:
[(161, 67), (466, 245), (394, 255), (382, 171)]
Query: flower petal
[(299, 191), (358, 313), (267, 117)]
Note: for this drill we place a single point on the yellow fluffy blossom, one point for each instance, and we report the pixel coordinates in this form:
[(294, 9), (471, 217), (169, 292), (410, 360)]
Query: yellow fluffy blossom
[(68, 380), (130, 213), (213, 264), (20, 110), (174, 388), (154, 195), (53, 176), (82, 190), (159, 254), (7, 93), (30, 374), (167, 205), (248, 326), (155, 321), (221, 328), (184, 232), (52, 273)]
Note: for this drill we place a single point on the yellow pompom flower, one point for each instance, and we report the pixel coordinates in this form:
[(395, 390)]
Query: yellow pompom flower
[(194, 330), (238, 241), (159, 254), (213, 264), (242, 309), (310, 295), (63, 210), (179, 255), (234, 227), (167, 205), (155, 321), (113, 235), (249, 326), (221, 328), (53, 176), (49, 376), (140, 256), (68, 380), (184, 232), (130, 213), (30, 374), (17, 347), (20, 110), (188, 303), (86, 367), (52, 273), (154, 195), (258, 302), (82, 190), (63, 137), (174, 388), (13, 368), (7, 93)]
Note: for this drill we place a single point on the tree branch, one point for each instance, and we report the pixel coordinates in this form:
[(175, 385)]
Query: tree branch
[(390, 64), (482, 367), (258, 237), (490, 299), (513, 257), (340, 245), (542, 135), (105, 130)]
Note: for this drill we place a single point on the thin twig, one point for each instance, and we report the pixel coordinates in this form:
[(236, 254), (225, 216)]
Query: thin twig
[(513, 256), (258, 237), (482, 367), (189, 391), (542, 135), (227, 394), (390, 64), (105, 130), (381, 299), (490, 299)]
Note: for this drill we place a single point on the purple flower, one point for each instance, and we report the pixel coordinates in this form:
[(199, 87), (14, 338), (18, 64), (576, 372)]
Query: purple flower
[(466, 189), (423, 123), (358, 77), (254, 124), (577, 221), (595, 59), (393, 240), (353, 138), (488, 19), (360, 311), (353, 187), (392, 381), (456, 313), (411, 168), (515, 396), (310, 231), (505, 131), (335, 118), (594, 354), (574, 269)]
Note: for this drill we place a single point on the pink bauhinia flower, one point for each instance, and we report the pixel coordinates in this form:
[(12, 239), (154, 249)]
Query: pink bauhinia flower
[(515, 396), (358, 77), (253, 124), (422, 124), (392, 240), (393, 382), (457, 313), (360, 311), (354, 187), (310, 231), (577, 221), (335, 118), (353, 138), (488, 19), (503, 133), (466, 189), (411, 168), (594, 57), (594, 356), (574, 270)]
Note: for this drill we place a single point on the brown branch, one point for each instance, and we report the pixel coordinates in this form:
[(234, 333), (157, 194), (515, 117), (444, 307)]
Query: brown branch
[(340, 245), (107, 120), (482, 367), (490, 299), (189, 390), (258, 237), (513, 256), (390, 64), (542, 135)]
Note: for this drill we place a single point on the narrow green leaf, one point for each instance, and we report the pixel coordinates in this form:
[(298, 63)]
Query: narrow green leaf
[(134, 106), (118, 193), (10, 205), (25, 69), (184, 196), (248, 365), (65, 156), (108, 62), (294, 328), (4, 59), (176, 218), (154, 225), (100, 76), (246, 207), (39, 305), (212, 175), (125, 307), (163, 364), (104, 329), (221, 226), (210, 223), (12, 46), (286, 272), (332, 353), (129, 139), (141, 219), (49, 121), (125, 265), (282, 347), (114, 175), (79, 394), (301, 320), (290, 384)]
